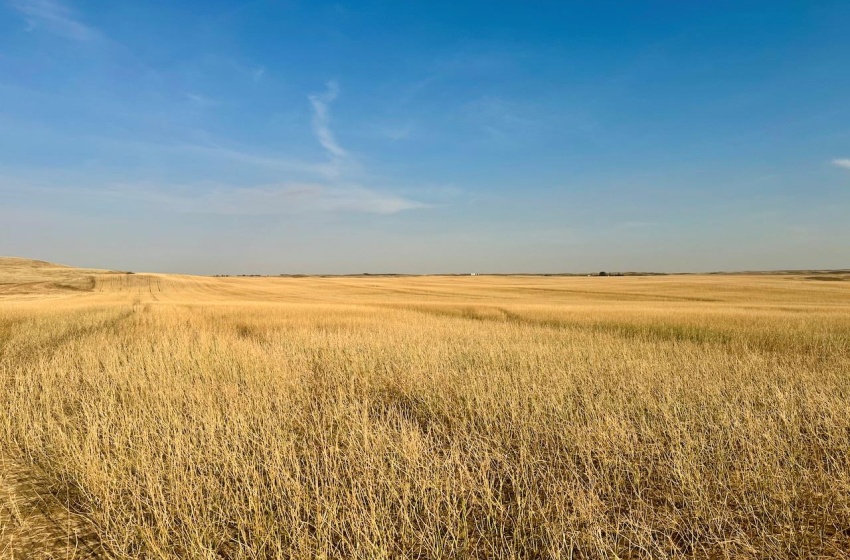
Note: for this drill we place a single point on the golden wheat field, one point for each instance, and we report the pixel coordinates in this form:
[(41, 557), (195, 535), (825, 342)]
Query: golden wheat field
[(162, 416)]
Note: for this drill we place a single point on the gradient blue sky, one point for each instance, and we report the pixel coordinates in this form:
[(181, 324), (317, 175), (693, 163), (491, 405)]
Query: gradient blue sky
[(309, 137)]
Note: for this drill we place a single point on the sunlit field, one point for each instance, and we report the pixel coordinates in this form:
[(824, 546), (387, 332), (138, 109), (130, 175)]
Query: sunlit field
[(423, 417)]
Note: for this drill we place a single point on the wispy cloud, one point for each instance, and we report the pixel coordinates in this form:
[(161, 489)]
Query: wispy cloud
[(201, 100), (393, 131), (842, 162), (502, 120), (321, 120), (249, 68), (257, 73), (278, 199), (54, 17), (290, 187), (499, 110), (321, 169)]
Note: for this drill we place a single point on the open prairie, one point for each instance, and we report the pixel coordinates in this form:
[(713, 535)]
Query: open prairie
[(164, 416)]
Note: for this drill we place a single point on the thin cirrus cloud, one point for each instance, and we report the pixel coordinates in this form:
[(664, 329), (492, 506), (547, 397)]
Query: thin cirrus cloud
[(320, 186), (257, 72), (292, 199), (279, 199), (332, 188), (55, 18), (321, 120), (201, 100), (218, 152), (844, 163), (332, 194)]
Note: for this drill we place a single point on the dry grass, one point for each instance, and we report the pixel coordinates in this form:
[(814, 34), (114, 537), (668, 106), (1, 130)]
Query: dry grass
[(668, 417)]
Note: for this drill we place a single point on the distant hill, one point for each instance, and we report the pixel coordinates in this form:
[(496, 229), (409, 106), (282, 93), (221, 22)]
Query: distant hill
[(28, 263), (19, 275)]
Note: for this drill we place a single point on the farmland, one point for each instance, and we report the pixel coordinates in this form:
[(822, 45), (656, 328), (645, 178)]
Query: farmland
[(167, 416)]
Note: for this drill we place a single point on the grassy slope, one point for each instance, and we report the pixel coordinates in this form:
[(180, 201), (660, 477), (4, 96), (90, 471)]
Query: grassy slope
[(28, 277), (489, 417)]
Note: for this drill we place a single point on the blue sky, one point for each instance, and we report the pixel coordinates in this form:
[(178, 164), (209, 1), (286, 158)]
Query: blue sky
[(424, 137)]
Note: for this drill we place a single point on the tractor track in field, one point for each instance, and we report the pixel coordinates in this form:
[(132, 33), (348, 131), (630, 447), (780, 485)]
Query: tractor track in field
[(36, 524), (37, 521)]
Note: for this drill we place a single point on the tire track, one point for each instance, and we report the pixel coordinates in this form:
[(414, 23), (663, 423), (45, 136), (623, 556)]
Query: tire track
[(36, 520), (36, 525)]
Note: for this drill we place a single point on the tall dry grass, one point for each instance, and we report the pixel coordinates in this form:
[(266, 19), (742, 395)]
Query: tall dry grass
[(673, 417)]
